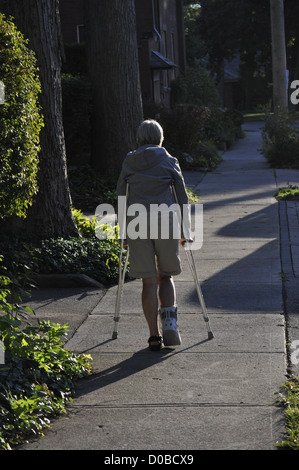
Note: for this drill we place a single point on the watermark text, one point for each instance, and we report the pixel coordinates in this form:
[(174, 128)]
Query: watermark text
[(295, 352), (295, 94), (2, 93), (159, 221), (2, 353)]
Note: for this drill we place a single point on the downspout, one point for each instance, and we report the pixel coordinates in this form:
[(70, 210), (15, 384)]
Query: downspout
[(154, 25)]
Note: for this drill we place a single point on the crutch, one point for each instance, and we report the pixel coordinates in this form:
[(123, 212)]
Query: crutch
[(122, 272), (191, 262)]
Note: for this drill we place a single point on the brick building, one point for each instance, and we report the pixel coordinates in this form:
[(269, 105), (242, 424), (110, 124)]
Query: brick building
[(161, 43), (160, 37)]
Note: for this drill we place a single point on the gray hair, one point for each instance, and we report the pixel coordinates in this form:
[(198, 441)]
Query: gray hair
[(150, 132)]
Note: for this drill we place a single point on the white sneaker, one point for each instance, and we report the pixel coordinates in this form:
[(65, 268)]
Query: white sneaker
[(171, 335)]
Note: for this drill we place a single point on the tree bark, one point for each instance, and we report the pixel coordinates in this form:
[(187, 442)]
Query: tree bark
[(50, 215), (114, 73), (280, 94)]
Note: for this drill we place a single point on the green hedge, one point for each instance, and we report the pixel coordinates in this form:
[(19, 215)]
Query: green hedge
[(281, 139), (95, 258), (195, 86), (21, 122)]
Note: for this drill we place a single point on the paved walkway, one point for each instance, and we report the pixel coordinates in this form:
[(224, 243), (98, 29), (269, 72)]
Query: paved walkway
[(204, 395)]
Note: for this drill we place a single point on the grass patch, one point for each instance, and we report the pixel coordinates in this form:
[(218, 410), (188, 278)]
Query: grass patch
[(289, 399), (289, 193)]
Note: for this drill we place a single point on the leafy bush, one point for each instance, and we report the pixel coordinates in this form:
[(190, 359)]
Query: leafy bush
[(86, 225), (204, 157), (197, 89), (280, 140), (20, 122), (85, 255), (196, 86), (224, 127), (37, 379), (183, 126), (196, 128), (95, 258), (185, 134)]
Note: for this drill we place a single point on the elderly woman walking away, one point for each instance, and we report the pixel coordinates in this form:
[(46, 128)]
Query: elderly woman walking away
[(150, 171)]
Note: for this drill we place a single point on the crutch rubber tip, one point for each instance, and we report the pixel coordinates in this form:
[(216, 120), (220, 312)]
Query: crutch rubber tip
[(114, 335), (210, 335)]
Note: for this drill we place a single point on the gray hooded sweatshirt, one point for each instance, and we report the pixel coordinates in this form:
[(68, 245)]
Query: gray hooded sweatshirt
[(150, 170)]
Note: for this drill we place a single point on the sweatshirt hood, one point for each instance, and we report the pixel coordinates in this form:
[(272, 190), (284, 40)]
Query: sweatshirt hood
[(146, 157)]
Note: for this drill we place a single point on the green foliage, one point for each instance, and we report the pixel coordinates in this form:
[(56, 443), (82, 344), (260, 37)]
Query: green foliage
[(205, 157), (196, 86), (183, 126), (281, 140), (37, 379), (20, 122), (85, 255), (224, 127), (289, 193), (86, 225), (95, 258), (198, 126), (194, 133), (289, 399), (195, 45), (228, 30), (192, 196), (242, 33)]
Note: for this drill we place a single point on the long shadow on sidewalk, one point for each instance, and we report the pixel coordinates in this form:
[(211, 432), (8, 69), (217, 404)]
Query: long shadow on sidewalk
[(139, 361)]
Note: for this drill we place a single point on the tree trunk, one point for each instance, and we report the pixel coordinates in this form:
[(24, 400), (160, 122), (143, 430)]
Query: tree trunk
[(280, 94), (114, 73), (50, 215)]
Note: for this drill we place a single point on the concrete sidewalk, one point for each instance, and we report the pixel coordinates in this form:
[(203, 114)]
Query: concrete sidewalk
[(203, 395)]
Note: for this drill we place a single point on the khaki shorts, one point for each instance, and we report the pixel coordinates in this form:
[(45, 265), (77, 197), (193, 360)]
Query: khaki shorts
[(151, 257)]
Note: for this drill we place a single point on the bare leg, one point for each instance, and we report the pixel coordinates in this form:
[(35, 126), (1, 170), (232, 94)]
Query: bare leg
[(150, 304), (167, 294)]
